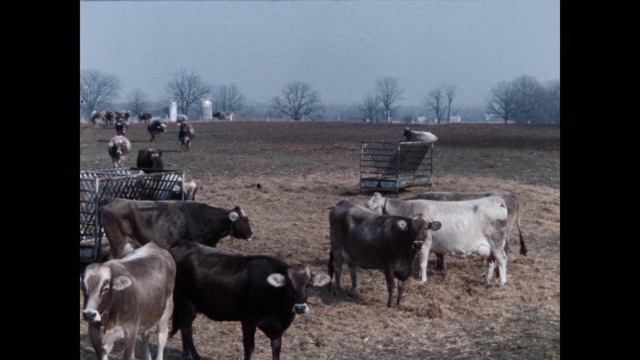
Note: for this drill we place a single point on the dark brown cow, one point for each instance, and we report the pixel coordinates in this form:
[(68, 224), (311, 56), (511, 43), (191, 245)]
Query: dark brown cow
[(259, 291), (362, 238), (109, 117), (155, 129), (185, 134), (225, 115), (513, 213), (166, 222), (145, 117), (150, 160), (129, 296)]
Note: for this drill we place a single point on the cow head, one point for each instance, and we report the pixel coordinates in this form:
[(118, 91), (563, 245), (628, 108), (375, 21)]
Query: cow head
[(420, 226), (240, 228), (299, 278), (98, 286), (377, 203)]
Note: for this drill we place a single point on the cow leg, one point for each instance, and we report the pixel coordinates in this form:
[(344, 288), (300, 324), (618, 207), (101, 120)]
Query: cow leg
[(390, 285), (337, 268), (146, 355), (440, 264), (101, 345), (276, 346), (353, 271), (501, 259), (163, 327), (400, 291), (130, 335), (188, 348), (248, 338), (424, 260)]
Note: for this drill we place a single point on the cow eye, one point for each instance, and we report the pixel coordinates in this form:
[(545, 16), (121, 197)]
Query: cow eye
[(105, 289)]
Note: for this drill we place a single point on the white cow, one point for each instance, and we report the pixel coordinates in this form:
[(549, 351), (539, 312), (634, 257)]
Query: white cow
[(468, 227)]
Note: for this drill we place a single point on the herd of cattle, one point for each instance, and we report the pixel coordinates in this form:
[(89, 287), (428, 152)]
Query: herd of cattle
[(165, 266)]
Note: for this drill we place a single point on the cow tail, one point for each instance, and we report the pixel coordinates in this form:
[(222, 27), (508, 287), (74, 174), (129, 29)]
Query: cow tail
[(523, 247)]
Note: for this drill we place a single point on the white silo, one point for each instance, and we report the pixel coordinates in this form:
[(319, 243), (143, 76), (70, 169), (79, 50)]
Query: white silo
[(207, 110), (173, 111)]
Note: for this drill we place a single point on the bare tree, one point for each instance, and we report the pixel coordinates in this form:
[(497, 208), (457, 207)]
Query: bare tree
[(436, 103), (551, 103), (97, 89), (370, 107), (529, 99), (298, 100), (388, 92), (230, 99), (188, 89), (137, 101), (450, 94), (502, 101)]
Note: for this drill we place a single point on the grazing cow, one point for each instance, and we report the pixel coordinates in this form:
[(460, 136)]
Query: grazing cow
[(166, 222), (155, 129), (419, 135), (186, 134), (129, 296), (119, 149), (123, 115), (468, 227), (362, 238), (225, 115), (145, 117), (150, 160), (259, 291), (97, 117), (109, 117), (510, 200)]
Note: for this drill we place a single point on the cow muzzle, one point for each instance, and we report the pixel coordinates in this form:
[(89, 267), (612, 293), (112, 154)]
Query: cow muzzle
[(91, 316), (300, 308), (417, 244)]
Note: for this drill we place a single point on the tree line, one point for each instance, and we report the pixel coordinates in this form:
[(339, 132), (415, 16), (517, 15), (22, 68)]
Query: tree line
[(523, 100)]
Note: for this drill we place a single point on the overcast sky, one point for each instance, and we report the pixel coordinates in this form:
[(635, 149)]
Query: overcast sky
[(340, 48)]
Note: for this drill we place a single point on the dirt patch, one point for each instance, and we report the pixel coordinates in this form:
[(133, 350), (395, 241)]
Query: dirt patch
[(305, 168)]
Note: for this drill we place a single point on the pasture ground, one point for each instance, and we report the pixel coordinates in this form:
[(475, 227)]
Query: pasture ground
[(305, 168)]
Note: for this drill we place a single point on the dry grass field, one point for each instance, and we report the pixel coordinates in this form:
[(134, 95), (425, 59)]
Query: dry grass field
[(305, 168)]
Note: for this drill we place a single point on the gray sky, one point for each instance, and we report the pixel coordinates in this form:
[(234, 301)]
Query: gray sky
[(340, 48)]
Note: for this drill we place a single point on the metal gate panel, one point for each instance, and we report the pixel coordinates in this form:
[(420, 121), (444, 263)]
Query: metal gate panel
[(391, 165)]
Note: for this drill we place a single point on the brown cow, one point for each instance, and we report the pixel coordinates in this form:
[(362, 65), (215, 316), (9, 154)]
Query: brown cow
[(166, 222), (128, 296), (362, 238), (119, 149)]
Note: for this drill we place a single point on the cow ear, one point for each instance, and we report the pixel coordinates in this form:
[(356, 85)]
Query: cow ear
[(233, 216), (320, 279), (401, 224), (276, 280), (121, 283), (435, 225)]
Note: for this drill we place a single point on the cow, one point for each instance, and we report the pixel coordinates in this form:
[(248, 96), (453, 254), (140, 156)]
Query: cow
[(468, 227), (363, 238), (510, 200), (259, 291), (150, 160), (155, 129), (185, 135), (97, 117), (119, 149), (123, 115), (145, 117), (412, 135), (121, 127), (129, 296), (189, 191), (109, 117), (225, 115), (166, 222)]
